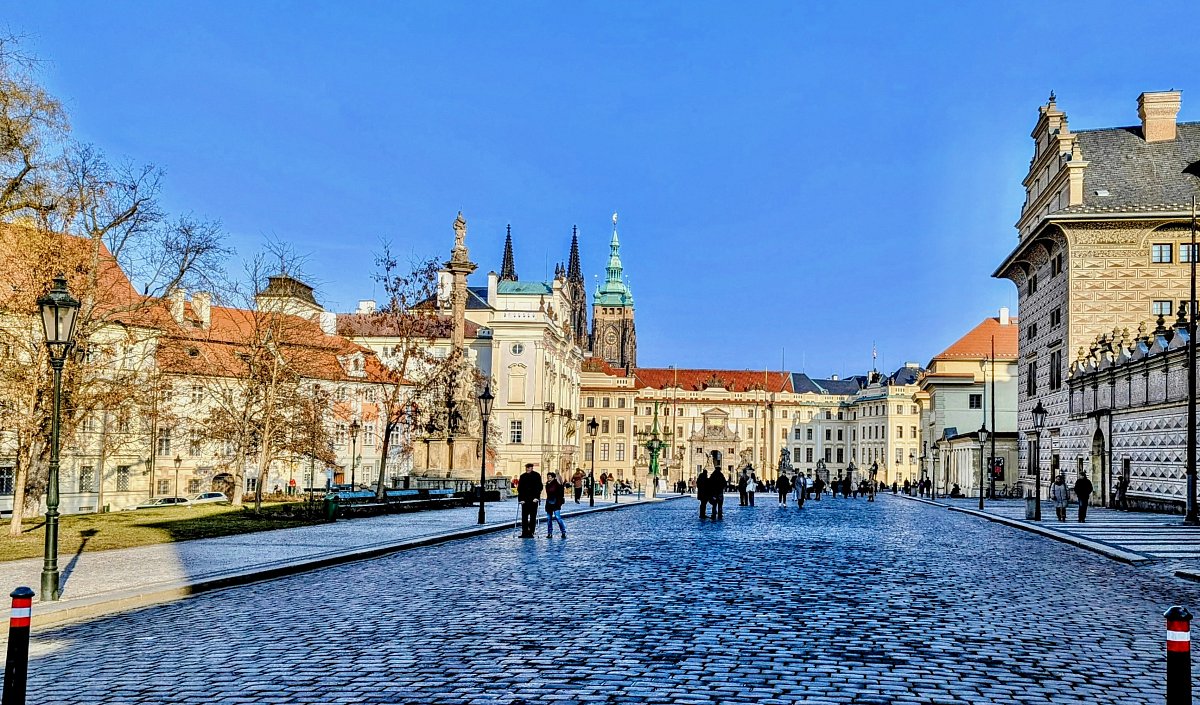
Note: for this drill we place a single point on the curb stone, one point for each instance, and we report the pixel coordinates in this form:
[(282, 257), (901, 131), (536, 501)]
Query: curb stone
[(85, 608), (1105, 550)]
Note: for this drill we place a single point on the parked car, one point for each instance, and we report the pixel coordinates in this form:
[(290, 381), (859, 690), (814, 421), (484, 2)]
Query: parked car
[(208, 498), (163, 502)]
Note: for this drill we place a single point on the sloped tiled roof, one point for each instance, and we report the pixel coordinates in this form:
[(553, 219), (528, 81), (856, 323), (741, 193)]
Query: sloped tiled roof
[(977, 343), (599, 364), (904, 376), (1136, 175), (380, 325), (803, 384), (698, 380)]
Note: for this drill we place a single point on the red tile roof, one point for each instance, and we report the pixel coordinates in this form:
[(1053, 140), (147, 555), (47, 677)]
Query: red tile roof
[(598, 364), (698, 380), (977, 344)]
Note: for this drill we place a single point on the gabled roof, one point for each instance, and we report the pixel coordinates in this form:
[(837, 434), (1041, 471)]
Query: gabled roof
[(698, 380), (1136, 175), (977, 343)]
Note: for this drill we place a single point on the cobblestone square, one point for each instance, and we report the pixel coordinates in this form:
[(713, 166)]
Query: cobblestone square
[(844, 601)]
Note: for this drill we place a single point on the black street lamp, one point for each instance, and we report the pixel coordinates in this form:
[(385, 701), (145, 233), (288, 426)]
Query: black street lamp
[(178, 462), (354, 426), (591, 428), (935, 461), (1039, 420), (983, 436), (59, 310), (485, 411)]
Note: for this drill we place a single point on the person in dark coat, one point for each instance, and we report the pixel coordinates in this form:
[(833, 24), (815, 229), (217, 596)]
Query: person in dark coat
[(818, 488), (702, 490), (1083, 492), (529, 493), (716, 494), (556, 497), (784, 486)]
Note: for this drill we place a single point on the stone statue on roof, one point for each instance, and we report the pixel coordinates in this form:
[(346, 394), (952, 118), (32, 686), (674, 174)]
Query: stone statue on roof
[(460, 232)]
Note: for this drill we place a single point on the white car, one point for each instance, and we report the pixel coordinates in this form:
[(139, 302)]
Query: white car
[(163, 502), (208, 498)]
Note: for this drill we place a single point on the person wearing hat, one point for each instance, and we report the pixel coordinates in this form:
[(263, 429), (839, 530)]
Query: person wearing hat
[(555, 499), (1083, 493), (1058, 493), (529, 493)]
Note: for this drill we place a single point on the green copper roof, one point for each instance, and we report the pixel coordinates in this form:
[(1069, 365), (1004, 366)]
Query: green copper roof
[(518, 287), (613, 292)]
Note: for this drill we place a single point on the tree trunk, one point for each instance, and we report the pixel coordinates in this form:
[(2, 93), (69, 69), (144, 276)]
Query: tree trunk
[(387, 444)]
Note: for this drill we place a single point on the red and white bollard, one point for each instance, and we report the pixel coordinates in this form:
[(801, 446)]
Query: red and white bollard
[(1179, 656), (16, 668)]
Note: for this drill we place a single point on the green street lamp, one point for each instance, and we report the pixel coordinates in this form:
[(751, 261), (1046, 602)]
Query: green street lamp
[(654, 445), (485, 411), (591, 428), (59, 310)]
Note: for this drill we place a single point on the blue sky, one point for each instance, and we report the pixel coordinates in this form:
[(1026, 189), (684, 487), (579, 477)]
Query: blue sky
[(808, 177)]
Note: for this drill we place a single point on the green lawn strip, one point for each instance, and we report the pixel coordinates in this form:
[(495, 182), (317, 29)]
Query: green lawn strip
[(102, 532)]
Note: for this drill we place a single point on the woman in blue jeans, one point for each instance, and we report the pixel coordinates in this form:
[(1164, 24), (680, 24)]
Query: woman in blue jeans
[(555, 498)]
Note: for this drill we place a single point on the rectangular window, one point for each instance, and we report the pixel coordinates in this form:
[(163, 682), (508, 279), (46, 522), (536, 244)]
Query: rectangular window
[(796, 433), (591, 402), (841, 455), (1032, 286), (605, 402), (603, 452), (164, 441), (341, 434), (1055, 370), (164, 487), (899, 456), (1160, 253), (807, 457), (899, 432), (6, 479), (620, 451), (1031, 380), (679, 432), (193, 485), (621, 402), (839, 416), (1056, 265), (515, 431), (87, 479), (1031, 331), (122, 478), (913, 432), (828, 414), (975, 401), (620, 425), (1161, 308), (368, 434), (1055, 317), (839, 434), (828, 435), (829, 455), (251, 484), (1185, 252), (587, 451), (808, 434), (604, 426), (194, 444)]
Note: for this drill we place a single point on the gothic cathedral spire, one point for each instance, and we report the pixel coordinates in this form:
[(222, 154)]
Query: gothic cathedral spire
[(577, 291), (508, 268)]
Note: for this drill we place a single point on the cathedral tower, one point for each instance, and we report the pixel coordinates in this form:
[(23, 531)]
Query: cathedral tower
[(613, 336), (577, 293)]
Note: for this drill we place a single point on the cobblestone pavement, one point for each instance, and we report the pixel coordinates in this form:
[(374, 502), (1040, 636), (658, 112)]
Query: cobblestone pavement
[(842, 602)]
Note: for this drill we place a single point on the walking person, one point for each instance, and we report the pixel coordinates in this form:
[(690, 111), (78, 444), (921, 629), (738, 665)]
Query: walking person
[(751, 487), (556, 497), (1058, 493), (818, 488), (784, 486), (1123, 492), (801, 486), (716, 493), (741, 486), (1083, 493), (702, 489), (529, 494), (577, 484)]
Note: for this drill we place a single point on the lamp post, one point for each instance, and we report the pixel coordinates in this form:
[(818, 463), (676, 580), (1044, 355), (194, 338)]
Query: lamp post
[(912, 460), (1039, 420), (59, 310), (1192, 516), (354, 426), (983, 436), (936, 460), (485, 411), (178, 462), (591, 428)]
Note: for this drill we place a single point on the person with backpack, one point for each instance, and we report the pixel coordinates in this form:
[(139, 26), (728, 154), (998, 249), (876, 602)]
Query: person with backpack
[(784, 486), (555, 499)]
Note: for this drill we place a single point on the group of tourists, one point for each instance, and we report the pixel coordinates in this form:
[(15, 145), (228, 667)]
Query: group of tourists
[(1060, 494)]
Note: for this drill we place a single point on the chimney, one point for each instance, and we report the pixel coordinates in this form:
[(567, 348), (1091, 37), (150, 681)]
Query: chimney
[(1158, 111), (366, 307), (834, 378), (1004, 320), (202, 307), (175, 299)]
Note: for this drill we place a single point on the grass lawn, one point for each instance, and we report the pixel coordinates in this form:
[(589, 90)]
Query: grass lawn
[(100, 532)]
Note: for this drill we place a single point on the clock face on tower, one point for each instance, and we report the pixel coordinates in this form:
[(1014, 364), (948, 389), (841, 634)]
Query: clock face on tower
[(610, 337)]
